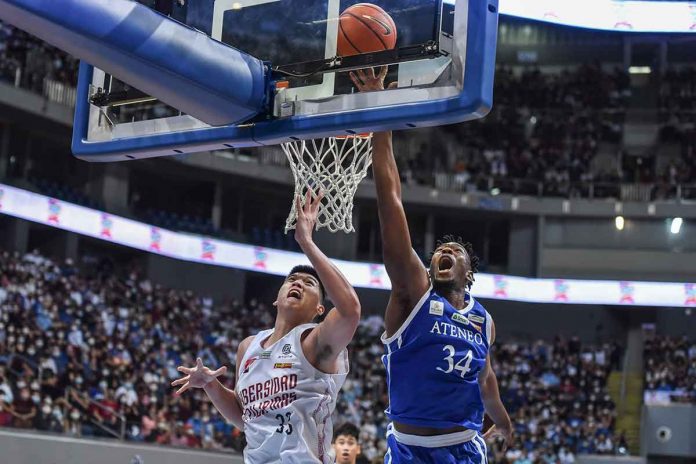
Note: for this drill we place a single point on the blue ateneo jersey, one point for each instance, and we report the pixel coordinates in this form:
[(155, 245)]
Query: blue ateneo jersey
[(433, 363)]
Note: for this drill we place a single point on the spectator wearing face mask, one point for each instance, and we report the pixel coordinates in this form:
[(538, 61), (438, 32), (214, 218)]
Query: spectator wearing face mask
[(169, 323), (72, 424), (46, 420)]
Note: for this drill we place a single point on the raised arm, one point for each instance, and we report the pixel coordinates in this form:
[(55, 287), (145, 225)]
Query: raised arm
[(407, 273), (403, 265), (324, 344)]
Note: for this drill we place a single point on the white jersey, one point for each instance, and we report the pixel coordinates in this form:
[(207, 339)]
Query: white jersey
[(287, 403)]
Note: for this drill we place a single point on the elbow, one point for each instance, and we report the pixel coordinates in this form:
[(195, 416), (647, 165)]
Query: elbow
[(355, 309), (352, 310)]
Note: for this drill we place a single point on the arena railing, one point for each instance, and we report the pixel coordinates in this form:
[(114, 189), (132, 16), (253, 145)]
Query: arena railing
[(59, 92), (78, 397), (465, 182), (53, 90), (85, 401)]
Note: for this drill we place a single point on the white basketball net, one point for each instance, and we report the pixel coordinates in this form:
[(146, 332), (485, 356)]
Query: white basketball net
[(335, 165)]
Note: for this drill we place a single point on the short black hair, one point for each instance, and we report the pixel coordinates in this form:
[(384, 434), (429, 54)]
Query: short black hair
[(474, 260), (349, 430), (306, 269)]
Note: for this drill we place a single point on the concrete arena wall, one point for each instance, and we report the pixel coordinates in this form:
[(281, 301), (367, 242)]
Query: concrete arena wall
[(669, 431), (18, 447)]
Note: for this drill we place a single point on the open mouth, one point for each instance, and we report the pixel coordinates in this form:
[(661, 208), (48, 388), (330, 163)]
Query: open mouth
[(446, 263), (295, 293)]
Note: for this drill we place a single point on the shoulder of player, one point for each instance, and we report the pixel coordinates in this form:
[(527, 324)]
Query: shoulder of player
[(241, 351), (490, 327), (244, 345), (409, 289), (486, 317)]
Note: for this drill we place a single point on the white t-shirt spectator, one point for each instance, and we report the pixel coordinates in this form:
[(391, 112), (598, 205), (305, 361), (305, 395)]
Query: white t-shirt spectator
[(600, 357), (6, 392), (126, 390), (75, 337), (50, 364), (605, 446), (566, 456)]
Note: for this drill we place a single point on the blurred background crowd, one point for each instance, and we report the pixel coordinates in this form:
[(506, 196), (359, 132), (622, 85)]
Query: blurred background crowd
[(92, 352)]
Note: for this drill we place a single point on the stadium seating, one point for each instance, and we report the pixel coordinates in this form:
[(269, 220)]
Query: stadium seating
[(92, 353)]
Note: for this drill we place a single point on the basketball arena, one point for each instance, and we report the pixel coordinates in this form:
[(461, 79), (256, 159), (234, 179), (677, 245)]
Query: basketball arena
[(340, 232)]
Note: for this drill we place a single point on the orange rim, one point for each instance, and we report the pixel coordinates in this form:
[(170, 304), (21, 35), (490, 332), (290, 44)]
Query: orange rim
[(365, 135)]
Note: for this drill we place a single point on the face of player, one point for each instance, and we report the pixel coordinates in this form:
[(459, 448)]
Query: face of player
[(347, 449), (451, 266), (300, 297)]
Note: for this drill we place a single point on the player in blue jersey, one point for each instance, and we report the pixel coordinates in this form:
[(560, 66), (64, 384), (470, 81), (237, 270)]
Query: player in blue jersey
[(437, 336)]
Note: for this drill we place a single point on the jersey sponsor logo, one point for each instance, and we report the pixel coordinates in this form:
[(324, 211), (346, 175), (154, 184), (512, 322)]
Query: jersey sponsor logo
[(287, 352), (282, 366), (465, 320), (451, 330), (265, 355), (248, 364), (456, 317), (437, 308), (475, 318)]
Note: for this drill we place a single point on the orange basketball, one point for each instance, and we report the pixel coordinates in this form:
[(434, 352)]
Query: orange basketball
[(364, 28)]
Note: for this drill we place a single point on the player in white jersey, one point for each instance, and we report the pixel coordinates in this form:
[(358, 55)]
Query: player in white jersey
[(288, 377)]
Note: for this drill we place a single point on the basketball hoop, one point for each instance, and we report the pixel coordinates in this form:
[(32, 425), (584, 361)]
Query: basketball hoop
[(336, 165)]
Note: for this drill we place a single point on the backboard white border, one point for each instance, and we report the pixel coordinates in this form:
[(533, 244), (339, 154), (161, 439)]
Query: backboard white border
[(427, 80)]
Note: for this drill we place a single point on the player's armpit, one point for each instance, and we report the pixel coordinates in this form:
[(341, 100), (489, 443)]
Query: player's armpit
[(323, 345)]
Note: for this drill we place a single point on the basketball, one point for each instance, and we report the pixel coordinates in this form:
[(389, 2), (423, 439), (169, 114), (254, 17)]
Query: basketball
[(365, 28)]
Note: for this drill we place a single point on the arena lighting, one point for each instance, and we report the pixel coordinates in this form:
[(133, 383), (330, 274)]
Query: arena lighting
[(609, 15), (217, 252), (639, 70), (675, 227), (619, 222)]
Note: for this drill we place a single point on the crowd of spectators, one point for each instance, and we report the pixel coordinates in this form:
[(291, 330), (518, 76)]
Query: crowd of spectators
[(91, 351), (540, 139), (558, 401), (670, 370), (27, 61), (544, 129), (677, 104)]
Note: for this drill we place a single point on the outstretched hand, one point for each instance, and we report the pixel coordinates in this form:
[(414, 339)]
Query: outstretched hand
[(196, 377), (367, 80), (307, 215)]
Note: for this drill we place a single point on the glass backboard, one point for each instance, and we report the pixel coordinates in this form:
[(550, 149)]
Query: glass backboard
[(443, 62)]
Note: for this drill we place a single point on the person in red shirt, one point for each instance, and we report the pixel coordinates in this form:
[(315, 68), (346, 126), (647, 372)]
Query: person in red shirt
[(23, 409)]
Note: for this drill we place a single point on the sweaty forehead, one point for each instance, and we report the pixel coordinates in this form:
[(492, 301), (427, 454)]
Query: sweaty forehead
[(303, 276), (454, 245)]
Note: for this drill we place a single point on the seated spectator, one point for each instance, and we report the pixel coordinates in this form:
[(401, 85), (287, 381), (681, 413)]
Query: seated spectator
[(670, 370), (107, 354)]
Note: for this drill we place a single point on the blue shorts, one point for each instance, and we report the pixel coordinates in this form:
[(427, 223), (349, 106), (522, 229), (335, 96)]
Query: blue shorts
[(457, 448)]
